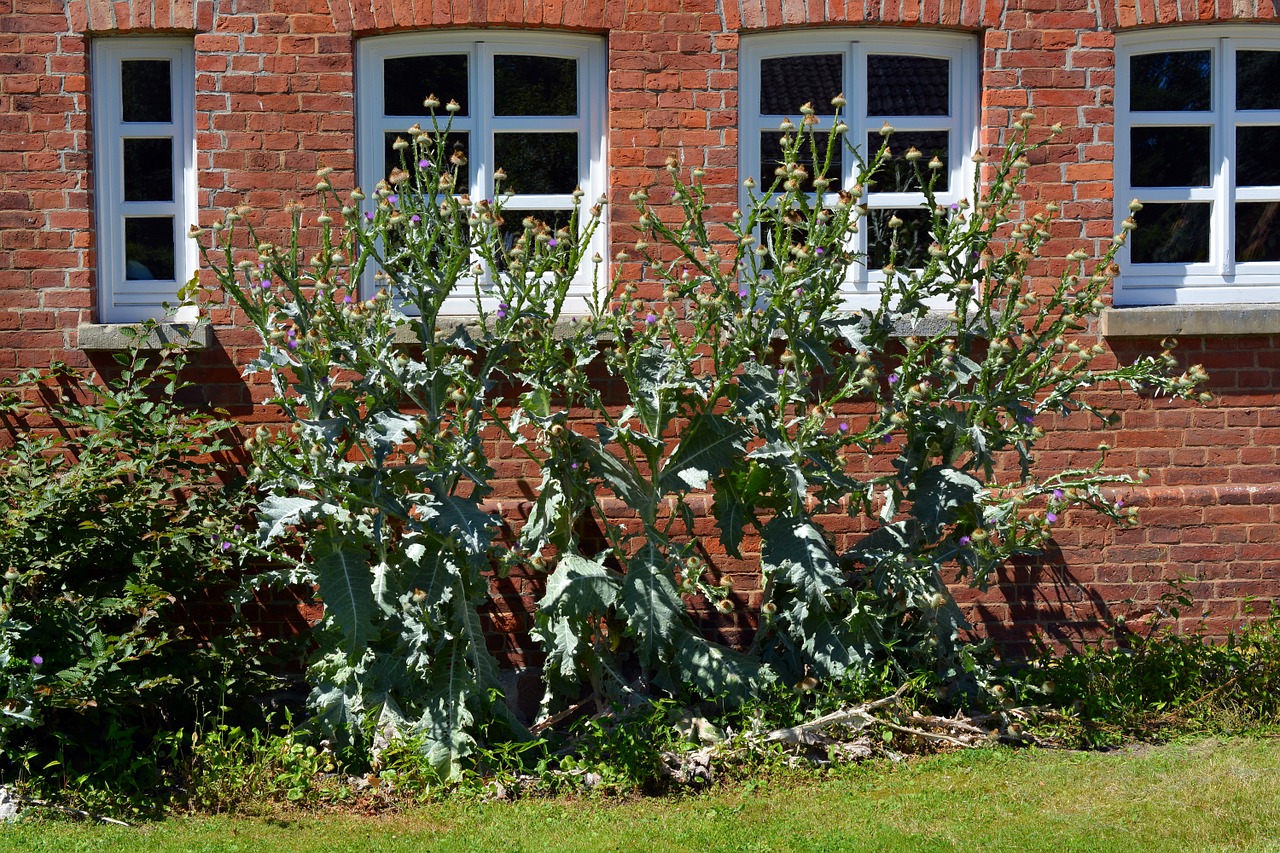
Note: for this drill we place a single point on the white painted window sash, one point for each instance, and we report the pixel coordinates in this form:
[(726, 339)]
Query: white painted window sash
[(121, 300)]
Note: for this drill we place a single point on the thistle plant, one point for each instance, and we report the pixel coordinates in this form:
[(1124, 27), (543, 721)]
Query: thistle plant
[(373, 491), (754, 382)]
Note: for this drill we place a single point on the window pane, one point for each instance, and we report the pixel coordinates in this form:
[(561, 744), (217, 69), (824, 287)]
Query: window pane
[(771, 159), (144, 90), (908, 86), (913, 238), (789, 82), (148, 248), (408, 80), (1258, 231), (1169, 156), (148, 169), (897, 173), (1257, 149), (1171, 81), (535, 86), (537, 163), (1171, 234), (456, 145), (1258, 80)]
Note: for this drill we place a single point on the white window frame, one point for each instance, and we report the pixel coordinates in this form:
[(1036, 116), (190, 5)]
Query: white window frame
[(1221, 279), (481, 125), (121, 300), (961, 122)]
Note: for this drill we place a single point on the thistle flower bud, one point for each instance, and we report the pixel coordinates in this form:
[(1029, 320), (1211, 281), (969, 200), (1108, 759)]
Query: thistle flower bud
[(913, 154), (839, 101), (886, 129), (935, 164), (453, 106), (431, 102), (1135, 206)]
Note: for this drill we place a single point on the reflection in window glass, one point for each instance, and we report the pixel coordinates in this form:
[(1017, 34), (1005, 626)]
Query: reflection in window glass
[(1258, 231), (789, 82), (1178, 80), (1257, 151), (897, 173), (771, 158), (148, 248), (1171, 234), (535, 86), (537, 163), (148, 169), (908, 86), (408, 80), (1258, 80), (144, 90), (1169, 156), (913, 238)]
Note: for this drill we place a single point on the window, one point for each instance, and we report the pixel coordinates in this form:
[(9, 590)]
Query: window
[(532, 104), (923, 84), (1197, 136), (144, 167)]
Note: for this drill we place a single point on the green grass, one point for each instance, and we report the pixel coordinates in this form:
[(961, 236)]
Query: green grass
[(1190, 796)]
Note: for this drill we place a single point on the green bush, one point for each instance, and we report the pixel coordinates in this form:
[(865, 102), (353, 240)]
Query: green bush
[(116, 518)]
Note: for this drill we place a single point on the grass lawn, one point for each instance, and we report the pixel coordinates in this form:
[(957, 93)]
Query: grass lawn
[(1193, 796)]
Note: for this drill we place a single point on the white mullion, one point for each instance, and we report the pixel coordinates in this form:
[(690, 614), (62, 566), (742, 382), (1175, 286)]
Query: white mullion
[(855, 70), (480, 145), (1222, 227)]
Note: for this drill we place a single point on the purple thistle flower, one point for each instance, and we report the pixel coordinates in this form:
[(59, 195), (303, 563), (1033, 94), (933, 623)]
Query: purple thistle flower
[(415, 218), (347, 300), (1057, 494), (574, 466), (393, 199), (293, 344), (36, 660), (843, 427), (964, 540), (651, 318), (368, 214), (819, 251), (1119, 502), (226, 546), (743, 292), (424, 163), (502, 315), (888, 439), (782, 371), (266, 283), (1051, 517), (893, 379), (1027, 419), (553, 242)]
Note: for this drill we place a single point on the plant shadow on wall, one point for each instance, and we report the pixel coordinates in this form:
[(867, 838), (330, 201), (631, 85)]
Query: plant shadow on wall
[(118, 519), (750, 384)]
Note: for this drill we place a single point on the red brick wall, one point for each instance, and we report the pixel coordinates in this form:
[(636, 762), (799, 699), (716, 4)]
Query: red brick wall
[(274, 100)]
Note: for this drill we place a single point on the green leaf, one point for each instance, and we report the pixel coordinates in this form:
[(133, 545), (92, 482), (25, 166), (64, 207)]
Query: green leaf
[(652, 605), (461, 520), (276, 513), (620, 478), (940, 493), (710, 444), (344, 583)]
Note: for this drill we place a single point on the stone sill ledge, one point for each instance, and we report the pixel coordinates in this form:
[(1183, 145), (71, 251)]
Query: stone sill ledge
[(113, 336), (1199, 320)]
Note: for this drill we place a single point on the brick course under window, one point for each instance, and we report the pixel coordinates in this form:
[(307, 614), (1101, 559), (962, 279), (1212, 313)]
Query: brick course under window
[(275, 99)]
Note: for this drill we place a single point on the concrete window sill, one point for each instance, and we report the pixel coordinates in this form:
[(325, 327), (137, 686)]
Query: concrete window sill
[(112, 336), (1233, 320)]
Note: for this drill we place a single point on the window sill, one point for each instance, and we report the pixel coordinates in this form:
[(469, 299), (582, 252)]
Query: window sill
[(1198, 320), (114, 336)]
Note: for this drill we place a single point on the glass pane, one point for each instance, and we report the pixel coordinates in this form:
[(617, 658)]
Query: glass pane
[(537, 163), (1257, 76), (1169, 156), (535, 86), (408, 80), (908, 86), (1171, 81), (144, 90), (148, 248), (1256, 151), (1171, 234), (913, 238), (455, 146), (897, 173), (1258, 231), (148, 169), (789, 82), (771, 159)]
